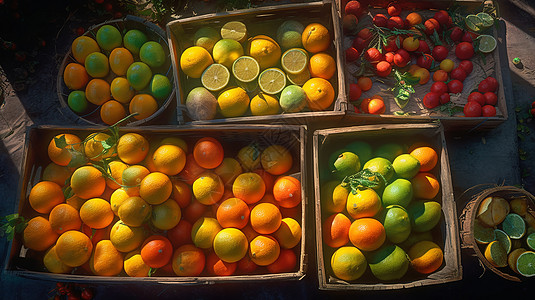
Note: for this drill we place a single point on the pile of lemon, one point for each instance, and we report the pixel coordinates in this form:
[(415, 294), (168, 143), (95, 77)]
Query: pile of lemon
[(288, 74), (117, 74)]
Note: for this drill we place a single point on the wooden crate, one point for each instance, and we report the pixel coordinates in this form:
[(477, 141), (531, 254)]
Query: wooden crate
[(446, 234), (92, 118), (419, 114), (26, 263), (261, 20)]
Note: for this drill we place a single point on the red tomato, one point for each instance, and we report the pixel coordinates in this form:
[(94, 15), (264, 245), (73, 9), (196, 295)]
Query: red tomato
[(443, 18), (353, 8), (352, 54), (383, 68), (425, 61), (456, 34), (490, 98), (458, 73), (354, 92), (401, 58), (488, 111), (80, 30), (431, 100), (389, 57), (532, 112), (424, 47), (464, 50), (485, 86), (455, 86), (440, 53), (533, 104), (380, 20), (472, 109), (373, 55), (444, 98), (477, 97), (395, 22), (493, 83), (360, 43), (467, 66), (469, 37), (431, 25), (365, 33), (439, 87), (391, 45), (394, 9)]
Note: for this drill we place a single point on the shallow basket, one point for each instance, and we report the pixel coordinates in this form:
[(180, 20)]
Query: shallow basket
[(92, 114), (468, 217)]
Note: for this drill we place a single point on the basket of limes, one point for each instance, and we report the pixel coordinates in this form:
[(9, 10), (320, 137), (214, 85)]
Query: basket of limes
[(117, 68), (498, 224)]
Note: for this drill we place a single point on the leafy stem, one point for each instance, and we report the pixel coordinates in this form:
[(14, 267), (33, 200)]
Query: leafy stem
[(12, 224), (403, 88), (364, 179)]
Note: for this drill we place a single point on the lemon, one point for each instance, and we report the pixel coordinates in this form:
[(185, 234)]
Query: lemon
[(109, 37), (504, 239), (234, 30), (204, 231), (233, 102), (215, 77), (348, 263), (265, 50), (496, 254), (245, 69), (264, 104), (294, 61), (206, 37), (194, 60), (230, 245), (272, 81), (226, 51), (487, 43), (208, 188), (300, 78)]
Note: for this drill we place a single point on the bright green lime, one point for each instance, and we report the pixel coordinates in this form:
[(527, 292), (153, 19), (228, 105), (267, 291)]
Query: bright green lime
[(487, 43), (389, 151), (398, 192), (514, 225), (406, 166), (389, 262), (504, 240), (139, 75), (77, 101), (160, 87), (293, 99), (289, 34), (133, 40), (397, 224), (526, 264), (96, 65), (424, 214), (483, 234), (152, 54), (346, 164), (380, 165), (362, 149), (109, 37), (530, 240)]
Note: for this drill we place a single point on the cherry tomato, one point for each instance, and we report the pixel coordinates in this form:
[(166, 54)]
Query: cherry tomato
[(431, 100), (360, 43), (365, 33), (439, 87), (401, 58), (354, 92), (424, 47), (455, 86), (383, 68), (469, 37), (464, 50), (80, 30), (352, 54), (395, 22), (493, 83), (443, 18), (87, 294), (373, 55), (458, 73), (472, 109), (380, 20), (394, 9), (490, 98), (456, 34), (431, 25), (484, 86), (353, 8), (392, 45), (389, 57), (488, 111), (477, 97), (425, 61), (467, 66), (532, 111), (444, 98), (440, 53)]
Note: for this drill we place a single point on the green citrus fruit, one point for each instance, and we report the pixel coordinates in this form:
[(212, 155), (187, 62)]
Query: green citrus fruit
[(512, 258), (496, 254), (346, 164), (398, 192), (406, 166), (416, 237), (525, 264), (206, 37), (397, 224), (348, 263), (389, 151), (362, 149), (139, 75), (424, 215), (96, 65), (380, 165), (160, 87), (133, 40), (77, 101), (483, 234), (289, 34), (514, 226), (504, 240), (109, 37), (293, 99), (153, 54), (389, 262), (226, 51)]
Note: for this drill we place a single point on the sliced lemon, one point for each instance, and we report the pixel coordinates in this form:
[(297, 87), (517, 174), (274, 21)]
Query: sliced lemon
[(294, 61), (300, 78), (234, 30), (272, 81), (245, 69), (473, 23), (487, 43), (215, 77)]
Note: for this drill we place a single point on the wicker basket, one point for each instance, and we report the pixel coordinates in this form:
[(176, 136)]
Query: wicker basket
[(92, 114), (468, 217)]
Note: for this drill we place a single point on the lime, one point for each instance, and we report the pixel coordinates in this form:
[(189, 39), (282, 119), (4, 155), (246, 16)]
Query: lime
[(362, 149), (139, 75), (109, 37), (294, 61), (389, 151), (347, 164), (406, 166), (348, 263), (424, 215), (389, 262), (513, 258), (206, 37), (495, 254), (96, 65), (264, 104), (77, 101), (234, 30), (133, 40), (398, 192), (272, 81), (504, 240), (397, 224), (245, 69), (486, 19), (473, 23), (487, 43), (482, 234), (293, 99), (215, 77), (289, 34), (380, 165), (160, 87), (530, 241), (152, 54), (525, 264), (514, 226)]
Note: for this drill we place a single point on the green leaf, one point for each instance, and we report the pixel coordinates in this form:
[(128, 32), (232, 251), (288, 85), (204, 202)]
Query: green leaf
[(67, 192), (77, 159), (60, 142), (109, 143)]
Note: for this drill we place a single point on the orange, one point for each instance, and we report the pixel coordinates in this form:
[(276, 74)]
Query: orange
[(74, 248), (440, 75), (53, 264), (181, 192), (75, 202), (75, 76), (106, 260), (414, 18), (365, 83), (188, 260), (38, 234), (319, 92), (45, 195), (169, 159), (56, 173), (425, 186), (82, 46), (365, 203), (191, 170), (233, 212), (194, 211), (112, 112), (98, 91), (230, 245), (316, 38), (249, 157), (276, 159), (134, 211), (265, 218), (204, 231), (249, 187), (117, 198), (374, 105), (131, 178), (62, 156), (348, 263), (289, 233), (246, 265), (175, 141), (87, 182), (218, 267), (336, 230), (64, 217), (93, 148), (180, 234), (166, 215), (96, 213), (267, 178), (286, 262), (208, 153), (132, 148), (121, 90), (287, 191), (134, 266), (322, 65), (426, 257), (115, 171), (427, 157), (264, 250), (126, 238), (120, 59), (144, 105), (156, 251), (228, 170), (367, 234), (208, 188), (96, 235)]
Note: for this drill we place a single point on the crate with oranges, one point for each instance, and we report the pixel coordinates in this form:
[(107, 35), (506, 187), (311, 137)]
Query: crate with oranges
[(115, 69), (176, 205), (384, 208), (260, 64)]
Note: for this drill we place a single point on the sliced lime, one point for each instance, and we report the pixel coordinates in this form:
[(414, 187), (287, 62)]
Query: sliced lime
[(487, 43), (530, 241), (504, 239), (473, 23), (234, 30), (245, 69), (525, 264), (514, 226), (272, 81), (513, 258), (495, 254), (294, 61), (482, 234), (299, 79), (486, 19), (215, 77)]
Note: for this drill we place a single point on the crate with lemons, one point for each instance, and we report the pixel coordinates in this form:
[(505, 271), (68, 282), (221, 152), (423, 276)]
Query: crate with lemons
[(143, 204), (110, 74), (380, 208), (243, 73)]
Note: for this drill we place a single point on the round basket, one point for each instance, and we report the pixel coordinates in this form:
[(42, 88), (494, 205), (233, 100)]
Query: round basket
[(92, 114), (468, 217)]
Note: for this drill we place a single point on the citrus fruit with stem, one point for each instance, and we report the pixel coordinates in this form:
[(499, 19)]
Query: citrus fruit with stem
[(348, 263), (364, 203), (380, 165), (347, 163), (94, 148), (126, 238), (233, 212), (316, 38)]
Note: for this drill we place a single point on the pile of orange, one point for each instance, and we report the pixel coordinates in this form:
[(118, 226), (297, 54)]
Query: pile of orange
[(114, 74), (180, 205)]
